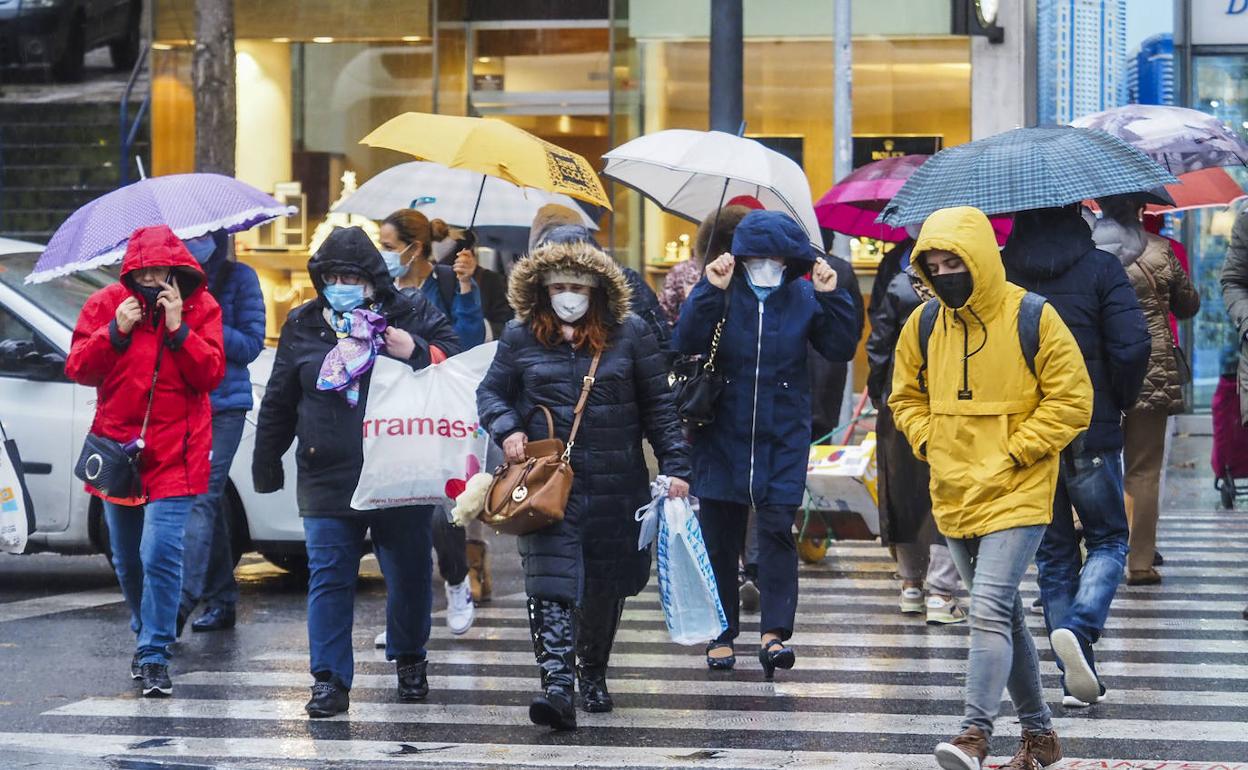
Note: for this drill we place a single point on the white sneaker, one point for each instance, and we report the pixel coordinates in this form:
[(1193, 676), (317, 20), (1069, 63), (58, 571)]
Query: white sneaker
[(912, 601), (942, 611), (380, 641), (460, 611), (1071, 702), (1079, 678)]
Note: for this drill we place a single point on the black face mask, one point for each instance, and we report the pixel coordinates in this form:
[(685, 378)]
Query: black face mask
[(149, 294), (954, 289)]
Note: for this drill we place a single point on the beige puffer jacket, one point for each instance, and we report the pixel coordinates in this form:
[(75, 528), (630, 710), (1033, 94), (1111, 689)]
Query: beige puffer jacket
[(1163, 287)]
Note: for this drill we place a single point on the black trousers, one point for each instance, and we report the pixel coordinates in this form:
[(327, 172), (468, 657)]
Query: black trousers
[(724, 529), (450, 544)]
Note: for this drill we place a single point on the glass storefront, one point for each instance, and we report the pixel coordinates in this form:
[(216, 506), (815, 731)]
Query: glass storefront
[(1219, 87)]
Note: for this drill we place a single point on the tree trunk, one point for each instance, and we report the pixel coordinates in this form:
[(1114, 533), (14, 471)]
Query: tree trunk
[(212, 76)]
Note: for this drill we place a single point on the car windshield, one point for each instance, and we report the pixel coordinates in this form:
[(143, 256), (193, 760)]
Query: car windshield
[(62, 298)]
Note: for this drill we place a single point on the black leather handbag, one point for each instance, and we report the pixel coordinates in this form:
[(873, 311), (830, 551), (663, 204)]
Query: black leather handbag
[(696, 383), (111, 467)]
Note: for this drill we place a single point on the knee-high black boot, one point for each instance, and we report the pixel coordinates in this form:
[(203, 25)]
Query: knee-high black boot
[(597, 622), (554, 645)]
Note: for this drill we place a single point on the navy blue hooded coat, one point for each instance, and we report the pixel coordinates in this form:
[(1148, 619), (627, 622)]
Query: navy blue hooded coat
[(1051, 252), (757, 449), (237, 290)]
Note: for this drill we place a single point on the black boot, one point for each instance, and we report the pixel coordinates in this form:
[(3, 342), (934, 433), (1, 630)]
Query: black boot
[(553, 629), (413, 682), (597, 622)]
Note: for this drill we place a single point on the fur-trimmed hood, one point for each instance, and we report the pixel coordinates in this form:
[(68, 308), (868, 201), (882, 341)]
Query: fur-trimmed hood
[(575, 256)]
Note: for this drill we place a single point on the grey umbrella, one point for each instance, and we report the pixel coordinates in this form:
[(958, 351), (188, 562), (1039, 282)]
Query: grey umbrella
[(1027, 168)]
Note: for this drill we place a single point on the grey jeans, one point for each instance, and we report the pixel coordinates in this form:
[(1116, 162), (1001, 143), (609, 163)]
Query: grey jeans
[(915, 560), (1002, 653)]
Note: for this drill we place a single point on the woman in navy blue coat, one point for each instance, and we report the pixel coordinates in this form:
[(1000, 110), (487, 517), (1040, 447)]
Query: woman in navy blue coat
[(755, 452)]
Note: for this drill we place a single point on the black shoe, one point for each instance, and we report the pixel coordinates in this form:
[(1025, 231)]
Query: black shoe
[(594, 696), (1157, 560), (214, 619), (328, 699), (183, 616), (724, 663), (413, 682), (553, 709), (136, 668), (156, 682), (774, 655)]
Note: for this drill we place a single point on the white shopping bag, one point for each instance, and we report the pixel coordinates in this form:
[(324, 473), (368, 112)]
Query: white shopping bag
[(16, 517), (686, 582), (422, 439)]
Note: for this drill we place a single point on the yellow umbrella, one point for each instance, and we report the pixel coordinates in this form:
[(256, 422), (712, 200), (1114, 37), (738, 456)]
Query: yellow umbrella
[(493, 148)]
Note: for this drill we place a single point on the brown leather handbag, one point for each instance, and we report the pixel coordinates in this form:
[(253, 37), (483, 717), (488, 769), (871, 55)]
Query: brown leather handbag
[(531, 495)]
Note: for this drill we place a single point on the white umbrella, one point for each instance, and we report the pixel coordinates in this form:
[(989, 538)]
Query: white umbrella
[(456, 196), (691, 173)]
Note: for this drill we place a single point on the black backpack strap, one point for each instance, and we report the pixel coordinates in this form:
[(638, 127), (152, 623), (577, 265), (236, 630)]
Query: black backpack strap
[(1029, 313), (448, 285), (927, 322)]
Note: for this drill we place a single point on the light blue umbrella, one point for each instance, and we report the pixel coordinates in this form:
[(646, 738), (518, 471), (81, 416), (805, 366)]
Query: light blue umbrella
[(1027, 168)]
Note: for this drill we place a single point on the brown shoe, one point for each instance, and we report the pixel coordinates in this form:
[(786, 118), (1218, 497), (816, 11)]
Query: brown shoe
[(479, 579), (1143, 577), (965, 752), (1036, 751)]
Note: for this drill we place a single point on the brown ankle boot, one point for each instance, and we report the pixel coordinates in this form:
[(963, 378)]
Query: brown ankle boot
[(479, 579), (964, 752), (1036, 751)]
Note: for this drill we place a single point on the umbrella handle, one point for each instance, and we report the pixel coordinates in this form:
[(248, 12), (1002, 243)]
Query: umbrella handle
[(715, 224), (480, 192)]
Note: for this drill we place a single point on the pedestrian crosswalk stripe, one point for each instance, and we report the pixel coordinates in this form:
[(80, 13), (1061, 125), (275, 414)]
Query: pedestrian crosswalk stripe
[(623, 686), (695, 660), (642, 718), (50, 605), (815, 597)]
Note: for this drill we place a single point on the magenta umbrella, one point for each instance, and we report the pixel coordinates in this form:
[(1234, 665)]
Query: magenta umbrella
[(853, 203)]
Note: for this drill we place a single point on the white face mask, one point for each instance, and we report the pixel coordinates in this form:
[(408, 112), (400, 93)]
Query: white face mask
[(764, 273), (570, 306)]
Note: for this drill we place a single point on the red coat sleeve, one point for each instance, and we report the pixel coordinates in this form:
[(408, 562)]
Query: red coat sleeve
[(199, 348), (92, 354)]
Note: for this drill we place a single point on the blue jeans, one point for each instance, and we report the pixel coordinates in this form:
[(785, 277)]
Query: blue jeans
[(208, 558), (403, 541), (1002, 653), (147, 556), (1077, 592)]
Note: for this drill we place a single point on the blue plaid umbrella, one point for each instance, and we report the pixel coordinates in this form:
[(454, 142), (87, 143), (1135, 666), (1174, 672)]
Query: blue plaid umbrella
[(1027, 168)]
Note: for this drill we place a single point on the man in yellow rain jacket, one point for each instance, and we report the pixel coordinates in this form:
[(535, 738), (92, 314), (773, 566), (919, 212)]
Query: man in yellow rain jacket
[(992, 432)]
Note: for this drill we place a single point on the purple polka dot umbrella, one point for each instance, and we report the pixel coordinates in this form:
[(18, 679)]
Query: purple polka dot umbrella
[(190, 204)]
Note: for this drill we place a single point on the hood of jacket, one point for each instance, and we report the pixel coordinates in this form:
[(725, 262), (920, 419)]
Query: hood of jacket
[(1046, 243), (157, 246), (549, 217), (774, 234), (1123, 241), (571, 256), (349, 249), (965, 231)]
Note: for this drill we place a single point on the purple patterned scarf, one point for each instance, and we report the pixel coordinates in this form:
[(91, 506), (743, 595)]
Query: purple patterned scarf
[(359, 338)]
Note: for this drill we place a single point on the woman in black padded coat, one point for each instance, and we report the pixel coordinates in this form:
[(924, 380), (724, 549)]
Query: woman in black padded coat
[(572, 300)]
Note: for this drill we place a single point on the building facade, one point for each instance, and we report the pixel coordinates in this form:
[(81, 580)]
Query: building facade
[(1082, 44)]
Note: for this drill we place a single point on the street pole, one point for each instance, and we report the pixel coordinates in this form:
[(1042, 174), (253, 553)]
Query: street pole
[(843, 145), (727, 69), (212, 78)]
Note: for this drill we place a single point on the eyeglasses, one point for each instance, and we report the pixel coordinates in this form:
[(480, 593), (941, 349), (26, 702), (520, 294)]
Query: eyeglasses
[(347, 279)]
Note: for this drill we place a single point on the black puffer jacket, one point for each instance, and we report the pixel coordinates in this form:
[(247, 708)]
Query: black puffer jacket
[(330, 432), (1051, 252), (592, 554)]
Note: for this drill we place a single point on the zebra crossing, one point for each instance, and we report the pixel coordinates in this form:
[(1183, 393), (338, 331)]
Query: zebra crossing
[(872, 688)]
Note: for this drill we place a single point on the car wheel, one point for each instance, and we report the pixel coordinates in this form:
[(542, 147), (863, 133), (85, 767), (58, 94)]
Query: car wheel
[(125, 52), (294, 563), (68, 67)]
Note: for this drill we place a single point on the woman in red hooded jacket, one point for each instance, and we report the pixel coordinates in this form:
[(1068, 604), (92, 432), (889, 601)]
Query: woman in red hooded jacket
[(157, 315)]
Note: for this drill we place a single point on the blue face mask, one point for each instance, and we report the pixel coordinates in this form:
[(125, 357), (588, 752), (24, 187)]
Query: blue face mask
[(394, 263), (344, 298), (201, 248)]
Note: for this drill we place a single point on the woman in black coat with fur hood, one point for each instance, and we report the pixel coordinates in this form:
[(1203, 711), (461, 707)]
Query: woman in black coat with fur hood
[(572, 302)]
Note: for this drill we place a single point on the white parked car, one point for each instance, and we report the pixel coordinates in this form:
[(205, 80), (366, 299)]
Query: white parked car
[(48, 416)]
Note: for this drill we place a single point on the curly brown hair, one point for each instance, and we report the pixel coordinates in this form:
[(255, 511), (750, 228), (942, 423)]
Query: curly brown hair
[(590, 333)]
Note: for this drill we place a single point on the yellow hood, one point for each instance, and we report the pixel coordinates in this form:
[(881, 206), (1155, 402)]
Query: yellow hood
[(990, 429)]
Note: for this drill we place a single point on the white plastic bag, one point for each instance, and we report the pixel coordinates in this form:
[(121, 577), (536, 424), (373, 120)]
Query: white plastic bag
[(422, 439), (686, 582)]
